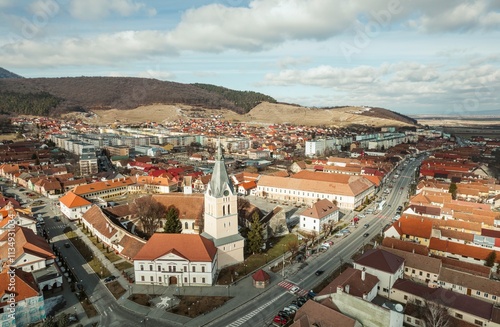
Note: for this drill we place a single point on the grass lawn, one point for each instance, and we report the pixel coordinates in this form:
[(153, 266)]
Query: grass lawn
[(123, 265), (87, 254), (142, 299), (116, 289), (255, 261)]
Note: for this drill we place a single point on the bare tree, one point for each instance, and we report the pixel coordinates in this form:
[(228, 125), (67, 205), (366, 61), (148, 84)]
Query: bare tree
[(149, 212), (293, 247), (436, 315)]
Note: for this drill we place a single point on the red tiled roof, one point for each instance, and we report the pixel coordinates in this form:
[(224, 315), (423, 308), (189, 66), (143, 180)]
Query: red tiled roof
[(260, 276), (71, 200), (193, 247), (381, 260)]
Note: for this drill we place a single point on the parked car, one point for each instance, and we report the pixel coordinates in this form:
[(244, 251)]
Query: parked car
[(366, 225), (366, 234), (302, 299), (319, 272), (361, 215), (293, 306), (66, 245), (109, 279), (280, 320), (284, 314)]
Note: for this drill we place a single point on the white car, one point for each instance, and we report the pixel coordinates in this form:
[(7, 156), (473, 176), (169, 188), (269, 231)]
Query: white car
[(294, 289)]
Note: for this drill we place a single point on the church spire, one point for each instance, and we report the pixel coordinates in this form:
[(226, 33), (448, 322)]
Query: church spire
[(220, 181)]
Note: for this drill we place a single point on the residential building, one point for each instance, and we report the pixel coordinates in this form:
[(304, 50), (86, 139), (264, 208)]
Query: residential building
[(386, 266), (319, 215), (73, 206)]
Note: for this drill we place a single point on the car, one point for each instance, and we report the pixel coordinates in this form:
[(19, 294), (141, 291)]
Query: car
[(302, 299), (290, 310), (361, 215), (294, 289), (319, 272), (297, 303), (366, 225), (294, 306), (280, 320), (72, 318), (366, 234), (109, 279), (21, 190), (66, 245), (284, 314), (58, 219)]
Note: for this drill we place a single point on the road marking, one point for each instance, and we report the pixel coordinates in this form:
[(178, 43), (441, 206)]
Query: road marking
[(245, 318), (105, 313)]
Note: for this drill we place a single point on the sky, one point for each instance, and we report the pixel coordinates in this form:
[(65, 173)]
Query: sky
[(413, 57)]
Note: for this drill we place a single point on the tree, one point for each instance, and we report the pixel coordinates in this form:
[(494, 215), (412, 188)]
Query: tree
[(255, 239), (293, 247), (435, 315), (490, 259), (149, 212), (453, 191), (173, 224)]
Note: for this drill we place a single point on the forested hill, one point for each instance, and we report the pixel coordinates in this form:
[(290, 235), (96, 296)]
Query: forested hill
[(4, 73), (87, 93), (243, 99)]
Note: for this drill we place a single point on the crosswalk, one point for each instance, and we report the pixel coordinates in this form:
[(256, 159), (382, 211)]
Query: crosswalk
[(288, 285), (245, 318)]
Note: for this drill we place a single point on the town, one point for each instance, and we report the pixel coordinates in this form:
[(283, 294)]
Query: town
[(208, 222)]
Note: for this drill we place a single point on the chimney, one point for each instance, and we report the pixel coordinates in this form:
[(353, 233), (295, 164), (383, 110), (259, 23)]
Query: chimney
[(363, 274), (365, 296), (340, 289), (347, 288)]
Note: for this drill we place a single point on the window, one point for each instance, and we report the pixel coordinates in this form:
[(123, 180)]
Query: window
[(478, 322), (142, 267), (385, 290), (428, 275), (420, 273), (186, 226), (478, 293), (494, 297), (142, 278), (159, 268), (418, 302), (408, 319), (413, 271), (458, 315), (159, 279), (406, 269), (185, 279), (486, 295), (151, 278), (194, 269), (405, 297), (185, 268), (203, 269), (417, 322), (150, 267), (203, 280), (173, 268), (194, 279)]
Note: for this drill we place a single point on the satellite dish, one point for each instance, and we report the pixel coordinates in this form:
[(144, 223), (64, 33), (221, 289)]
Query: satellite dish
[(399, 307)]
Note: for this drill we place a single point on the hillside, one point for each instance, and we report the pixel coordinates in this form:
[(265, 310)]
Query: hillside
[(4, 73), (123, 96)]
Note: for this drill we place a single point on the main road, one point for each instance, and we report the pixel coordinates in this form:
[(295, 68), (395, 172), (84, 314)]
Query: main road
[(261, 310)]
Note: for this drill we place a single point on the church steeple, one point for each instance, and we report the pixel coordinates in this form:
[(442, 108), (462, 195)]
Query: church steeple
[(220, 182)]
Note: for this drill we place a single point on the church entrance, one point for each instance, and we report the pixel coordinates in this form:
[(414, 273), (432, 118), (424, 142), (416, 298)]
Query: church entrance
[(172, 280)]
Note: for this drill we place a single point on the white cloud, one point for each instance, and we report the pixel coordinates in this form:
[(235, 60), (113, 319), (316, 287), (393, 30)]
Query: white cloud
[(292, 62), (6, 3), (401, 84), (105, 49), (96, 9), (157, 74)]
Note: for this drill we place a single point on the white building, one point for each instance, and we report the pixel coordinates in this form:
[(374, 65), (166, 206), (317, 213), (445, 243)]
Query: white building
[(176, 259), (386, 266), (73, 206), (321, 213), (221, 215)]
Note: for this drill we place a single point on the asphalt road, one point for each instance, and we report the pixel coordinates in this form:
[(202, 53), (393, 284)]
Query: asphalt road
[(261, 310)]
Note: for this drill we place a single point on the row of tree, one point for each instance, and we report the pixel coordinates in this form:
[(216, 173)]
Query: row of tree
[(40, 103)]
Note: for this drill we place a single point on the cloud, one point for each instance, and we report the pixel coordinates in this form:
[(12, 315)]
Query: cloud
[(292, 61), (157, 74), (406, 84), (105, 49), (6, 3), (96, 9)]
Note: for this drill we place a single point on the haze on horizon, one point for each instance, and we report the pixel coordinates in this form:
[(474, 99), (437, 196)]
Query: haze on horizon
[(411, 57)]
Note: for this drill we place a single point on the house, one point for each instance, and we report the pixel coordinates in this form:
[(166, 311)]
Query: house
[(418, 267), (387, 267), (190, 207), (73, 206), (319, 215), (24, 302), (318, 314), (247, 188), (462, 307), (176, 259), (412, 228), (354, 282), (31, 253)]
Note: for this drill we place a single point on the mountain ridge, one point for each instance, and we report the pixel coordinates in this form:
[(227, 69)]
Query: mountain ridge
[(57, 96)]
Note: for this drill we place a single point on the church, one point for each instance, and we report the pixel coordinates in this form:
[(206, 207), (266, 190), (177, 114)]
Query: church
[(192, 259)]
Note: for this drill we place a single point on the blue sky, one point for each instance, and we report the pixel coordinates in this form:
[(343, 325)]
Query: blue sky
[(414, 57)]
